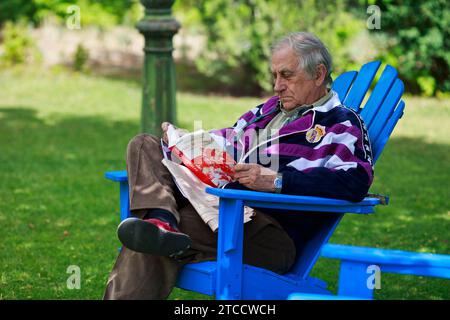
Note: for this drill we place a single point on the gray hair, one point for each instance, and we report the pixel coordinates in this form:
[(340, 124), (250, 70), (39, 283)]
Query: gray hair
[(310, 51)]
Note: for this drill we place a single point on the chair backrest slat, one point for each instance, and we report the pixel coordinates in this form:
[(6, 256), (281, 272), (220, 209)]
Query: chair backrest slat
[(361, 85), (385, 112), (379, 144), (378, 95), (343, 83), (382, 109)]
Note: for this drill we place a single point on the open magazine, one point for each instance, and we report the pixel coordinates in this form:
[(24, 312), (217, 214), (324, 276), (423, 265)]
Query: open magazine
[(202, 155), (205, 163)]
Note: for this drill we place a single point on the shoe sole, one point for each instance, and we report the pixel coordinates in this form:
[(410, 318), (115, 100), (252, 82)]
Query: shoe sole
[(141, 236)]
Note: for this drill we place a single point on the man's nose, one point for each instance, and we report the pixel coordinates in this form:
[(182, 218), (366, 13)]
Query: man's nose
[(279, 85)]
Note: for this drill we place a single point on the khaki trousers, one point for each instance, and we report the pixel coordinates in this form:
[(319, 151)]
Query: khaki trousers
[(142, 276)]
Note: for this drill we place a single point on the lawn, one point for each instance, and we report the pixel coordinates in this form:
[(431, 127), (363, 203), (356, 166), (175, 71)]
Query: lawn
[(60, 132)]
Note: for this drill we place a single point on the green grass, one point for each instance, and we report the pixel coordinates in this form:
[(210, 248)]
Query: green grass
[(60, 132)]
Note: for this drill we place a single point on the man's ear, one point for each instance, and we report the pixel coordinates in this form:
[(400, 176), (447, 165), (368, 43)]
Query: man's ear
[(321, 73)]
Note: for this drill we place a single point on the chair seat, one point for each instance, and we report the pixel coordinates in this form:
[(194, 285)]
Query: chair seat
[(201, 277)]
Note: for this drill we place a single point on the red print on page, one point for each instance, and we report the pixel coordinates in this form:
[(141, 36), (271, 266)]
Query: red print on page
[(204, 157)]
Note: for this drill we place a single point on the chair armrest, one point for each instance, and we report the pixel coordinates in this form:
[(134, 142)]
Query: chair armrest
[(386, 257), (280, 201), (298, 203), (358, 263), (119, 176)]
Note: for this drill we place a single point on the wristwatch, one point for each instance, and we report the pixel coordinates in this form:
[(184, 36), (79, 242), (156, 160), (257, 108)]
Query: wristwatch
[(278, 182)]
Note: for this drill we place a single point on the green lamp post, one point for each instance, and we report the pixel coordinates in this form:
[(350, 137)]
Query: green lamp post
[(158, 99)]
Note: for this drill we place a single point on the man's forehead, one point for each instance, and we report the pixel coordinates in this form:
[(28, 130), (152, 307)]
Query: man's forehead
[(284, 60), (284, 66), (281, 69)]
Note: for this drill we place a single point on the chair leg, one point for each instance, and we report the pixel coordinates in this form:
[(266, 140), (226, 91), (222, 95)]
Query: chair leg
[(124, 201), (230, 249), (353, 280)]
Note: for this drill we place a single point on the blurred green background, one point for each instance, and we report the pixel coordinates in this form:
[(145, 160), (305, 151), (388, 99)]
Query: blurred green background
[(70, 102), (228, 41)]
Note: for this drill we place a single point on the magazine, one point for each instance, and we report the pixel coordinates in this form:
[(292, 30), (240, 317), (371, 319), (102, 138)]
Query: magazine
[(204, 165), (202, 155)]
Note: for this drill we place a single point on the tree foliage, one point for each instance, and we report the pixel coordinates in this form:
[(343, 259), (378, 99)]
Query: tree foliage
[(419, 46), (413, 36), (98, 12), (239, 35)]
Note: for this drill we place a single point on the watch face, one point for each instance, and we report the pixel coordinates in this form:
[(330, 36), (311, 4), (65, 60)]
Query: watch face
[(277, 183)]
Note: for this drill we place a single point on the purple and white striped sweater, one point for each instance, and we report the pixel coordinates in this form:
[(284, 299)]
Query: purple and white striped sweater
[(325, 152)]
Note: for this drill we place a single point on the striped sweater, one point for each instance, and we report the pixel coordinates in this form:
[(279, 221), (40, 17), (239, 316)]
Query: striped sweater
[(326, 152)]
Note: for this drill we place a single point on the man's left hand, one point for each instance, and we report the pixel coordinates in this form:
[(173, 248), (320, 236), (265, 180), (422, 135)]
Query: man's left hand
[(255, 177)]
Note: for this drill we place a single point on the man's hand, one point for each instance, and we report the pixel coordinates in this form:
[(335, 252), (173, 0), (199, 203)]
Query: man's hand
[(165, 127), (255, 177)]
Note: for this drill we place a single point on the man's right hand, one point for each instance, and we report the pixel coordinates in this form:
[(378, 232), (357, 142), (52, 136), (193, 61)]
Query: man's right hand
[(165, 127)]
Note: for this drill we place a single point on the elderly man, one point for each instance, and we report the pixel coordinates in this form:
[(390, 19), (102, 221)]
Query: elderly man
[(321, 149)]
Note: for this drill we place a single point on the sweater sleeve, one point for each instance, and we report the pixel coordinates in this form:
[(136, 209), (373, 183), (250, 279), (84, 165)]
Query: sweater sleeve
[(347, 174), (243, 119), (351, 185)]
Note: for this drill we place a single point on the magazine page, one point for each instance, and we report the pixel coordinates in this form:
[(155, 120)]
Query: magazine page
[(193, 189), (203, 156)]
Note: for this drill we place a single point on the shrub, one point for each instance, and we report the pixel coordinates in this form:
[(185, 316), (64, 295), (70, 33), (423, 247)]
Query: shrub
[(80, 58), (18, 46)]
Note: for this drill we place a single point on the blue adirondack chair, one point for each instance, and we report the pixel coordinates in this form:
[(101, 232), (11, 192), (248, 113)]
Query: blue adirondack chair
[(228, 277)]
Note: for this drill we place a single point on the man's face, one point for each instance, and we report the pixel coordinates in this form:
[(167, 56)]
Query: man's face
[(290, 83)]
